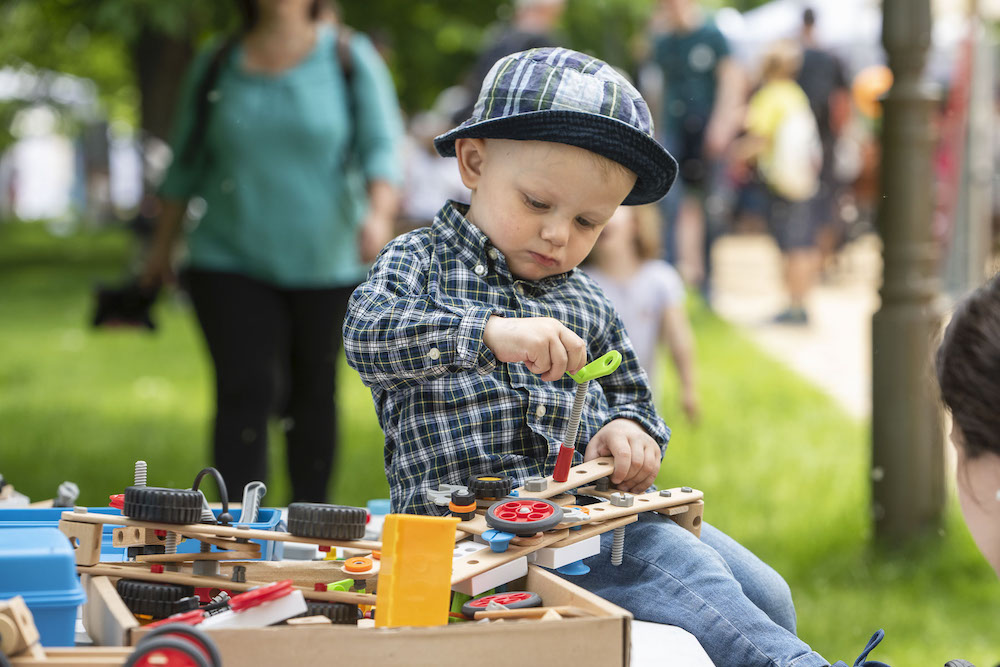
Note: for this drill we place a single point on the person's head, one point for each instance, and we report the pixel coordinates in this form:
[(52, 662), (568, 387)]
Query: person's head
[(253, 12), (781, 61), (633, 231), (808, 21), (556, 142), (538, 15), (968, 369)]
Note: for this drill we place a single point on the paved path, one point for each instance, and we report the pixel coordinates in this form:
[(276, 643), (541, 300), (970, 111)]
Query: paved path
[(834, 350)]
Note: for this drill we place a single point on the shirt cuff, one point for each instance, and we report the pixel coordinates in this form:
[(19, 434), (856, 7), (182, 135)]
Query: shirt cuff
[(471, 352)]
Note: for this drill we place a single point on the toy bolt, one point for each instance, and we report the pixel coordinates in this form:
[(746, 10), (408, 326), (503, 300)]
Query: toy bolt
[(239, 574), (596, 369), (66, 495), (140, 474), (618, 538), (535, 484)]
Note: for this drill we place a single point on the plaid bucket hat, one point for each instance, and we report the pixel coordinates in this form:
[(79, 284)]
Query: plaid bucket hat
[(567, 97)]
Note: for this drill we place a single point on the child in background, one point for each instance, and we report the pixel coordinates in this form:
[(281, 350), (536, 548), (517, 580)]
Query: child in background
[(648, 294), (465, 330)]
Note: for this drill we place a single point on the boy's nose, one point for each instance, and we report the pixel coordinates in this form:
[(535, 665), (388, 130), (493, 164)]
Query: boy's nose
[(556, 231)]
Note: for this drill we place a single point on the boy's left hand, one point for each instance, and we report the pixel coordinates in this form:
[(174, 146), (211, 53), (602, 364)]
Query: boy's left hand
[(637, 456)]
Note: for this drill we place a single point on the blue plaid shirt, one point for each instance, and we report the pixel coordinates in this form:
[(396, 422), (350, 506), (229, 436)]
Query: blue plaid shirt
[(414, 331)]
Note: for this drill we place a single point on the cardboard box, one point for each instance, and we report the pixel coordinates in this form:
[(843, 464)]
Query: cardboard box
[(603, 639)]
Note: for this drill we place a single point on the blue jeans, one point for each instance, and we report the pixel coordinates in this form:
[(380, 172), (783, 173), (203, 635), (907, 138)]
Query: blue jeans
[(738, 607)]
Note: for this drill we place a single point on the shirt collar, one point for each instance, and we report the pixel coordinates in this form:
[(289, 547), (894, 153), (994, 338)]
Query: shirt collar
[(473, 247)]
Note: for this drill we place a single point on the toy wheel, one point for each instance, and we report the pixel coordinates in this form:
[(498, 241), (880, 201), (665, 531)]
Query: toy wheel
[(160, 505), (327, 522), (490, 486), (341, 613), (167, 652), (186, 633), (523, 516), (156, 600), (511, 600)]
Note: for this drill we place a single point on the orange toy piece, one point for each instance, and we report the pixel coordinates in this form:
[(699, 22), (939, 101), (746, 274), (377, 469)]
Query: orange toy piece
[(414, 585), (358, 564)]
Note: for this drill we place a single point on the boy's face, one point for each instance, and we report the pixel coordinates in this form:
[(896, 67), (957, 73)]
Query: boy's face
[(542, 204)]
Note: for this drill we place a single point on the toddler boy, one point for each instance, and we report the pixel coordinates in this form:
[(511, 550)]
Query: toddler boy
[(464, 332)]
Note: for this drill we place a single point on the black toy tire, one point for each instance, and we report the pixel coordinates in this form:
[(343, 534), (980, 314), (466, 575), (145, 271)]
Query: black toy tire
[(490, 486), (4, 662), (154, 599), (340, 613), (190, 634), (551, 516), (516, 600), (167, 645), (327, 522), (161, 505)]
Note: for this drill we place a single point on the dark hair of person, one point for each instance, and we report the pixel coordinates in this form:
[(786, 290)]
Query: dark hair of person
[(968, 369), (809, 17), (250, 12)]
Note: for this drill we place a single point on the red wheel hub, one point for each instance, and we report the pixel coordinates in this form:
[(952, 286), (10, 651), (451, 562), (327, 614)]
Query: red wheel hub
[(500, 598), (165, 657), (523, 511)]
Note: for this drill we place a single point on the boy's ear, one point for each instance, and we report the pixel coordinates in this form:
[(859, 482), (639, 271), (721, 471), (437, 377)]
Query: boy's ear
[(471, 154)]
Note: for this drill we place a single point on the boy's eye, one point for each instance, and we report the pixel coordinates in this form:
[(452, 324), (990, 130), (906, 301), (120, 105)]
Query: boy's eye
[(586, 224), (536, 204)]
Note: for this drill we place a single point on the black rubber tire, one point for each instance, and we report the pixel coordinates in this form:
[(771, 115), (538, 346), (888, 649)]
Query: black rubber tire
[(174, 644), (156, 600), (327, 522), (490, 486), (470, 608), (191, 634), (4, 662), (341, 613), (524, 528), (160, 505)]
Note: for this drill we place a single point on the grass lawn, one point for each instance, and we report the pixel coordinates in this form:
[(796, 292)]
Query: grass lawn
[(782, 467)]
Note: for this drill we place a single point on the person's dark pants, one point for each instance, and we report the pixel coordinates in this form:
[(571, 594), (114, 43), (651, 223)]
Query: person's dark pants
[(256, 332)]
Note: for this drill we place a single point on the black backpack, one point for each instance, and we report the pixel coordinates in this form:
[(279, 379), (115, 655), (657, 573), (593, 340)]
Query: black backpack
[(206, 95)]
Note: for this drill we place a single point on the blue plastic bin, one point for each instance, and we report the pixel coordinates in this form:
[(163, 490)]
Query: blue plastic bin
[(38, 565), (24, 517)]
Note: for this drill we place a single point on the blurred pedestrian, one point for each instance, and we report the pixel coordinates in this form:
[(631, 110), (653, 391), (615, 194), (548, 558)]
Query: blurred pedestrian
[(287, 136), (782, 140), (648, 294), (700, 114), (822, 79), (533, 26)]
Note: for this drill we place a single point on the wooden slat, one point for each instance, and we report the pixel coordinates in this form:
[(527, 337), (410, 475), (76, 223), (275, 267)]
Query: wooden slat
[(196, 530), (580, 475), (486, 559), (139, 571)]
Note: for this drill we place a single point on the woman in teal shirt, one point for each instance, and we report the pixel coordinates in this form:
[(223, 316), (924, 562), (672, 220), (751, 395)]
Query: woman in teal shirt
[(292, 155)]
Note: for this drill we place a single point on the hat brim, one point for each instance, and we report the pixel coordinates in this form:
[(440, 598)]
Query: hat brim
[(654, 167)]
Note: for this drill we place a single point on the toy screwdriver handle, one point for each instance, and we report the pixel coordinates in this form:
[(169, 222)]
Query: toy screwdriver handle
[(599, 367)]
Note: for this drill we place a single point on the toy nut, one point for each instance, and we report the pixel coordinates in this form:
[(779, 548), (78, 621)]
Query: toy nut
[(686, 489), (666, 493), (535, 484), (622, 499)]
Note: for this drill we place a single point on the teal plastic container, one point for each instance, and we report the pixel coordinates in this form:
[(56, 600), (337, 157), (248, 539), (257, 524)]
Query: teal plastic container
[(38, 565)]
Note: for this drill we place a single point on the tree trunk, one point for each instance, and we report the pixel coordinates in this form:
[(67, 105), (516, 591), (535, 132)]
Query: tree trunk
[(160, 63)]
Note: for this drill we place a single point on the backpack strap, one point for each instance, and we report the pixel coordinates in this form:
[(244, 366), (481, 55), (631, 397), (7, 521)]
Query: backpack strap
[(205, 96), (344, 35)]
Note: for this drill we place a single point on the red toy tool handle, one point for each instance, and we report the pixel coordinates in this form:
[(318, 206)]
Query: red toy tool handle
[(563, 463)]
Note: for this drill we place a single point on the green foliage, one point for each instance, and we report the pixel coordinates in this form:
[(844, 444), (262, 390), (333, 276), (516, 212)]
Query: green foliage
[(782, 468)]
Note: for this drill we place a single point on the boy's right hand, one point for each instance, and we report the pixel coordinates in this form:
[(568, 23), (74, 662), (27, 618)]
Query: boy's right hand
[(544, 344)]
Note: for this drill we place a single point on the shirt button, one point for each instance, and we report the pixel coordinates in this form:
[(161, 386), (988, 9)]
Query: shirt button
[(540, 412), (492, 252), (434, 353), (519, 288), (479, 270)]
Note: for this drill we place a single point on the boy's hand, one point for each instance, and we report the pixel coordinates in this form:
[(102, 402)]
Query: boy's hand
[(637, 456), (544, 344)]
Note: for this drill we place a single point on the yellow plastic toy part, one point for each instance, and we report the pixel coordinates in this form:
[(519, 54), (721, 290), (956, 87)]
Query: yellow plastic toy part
[(599, 367), (414, 585)]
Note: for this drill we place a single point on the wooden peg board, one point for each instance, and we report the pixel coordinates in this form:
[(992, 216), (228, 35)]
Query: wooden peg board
[(486, 559), (580, 475)]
